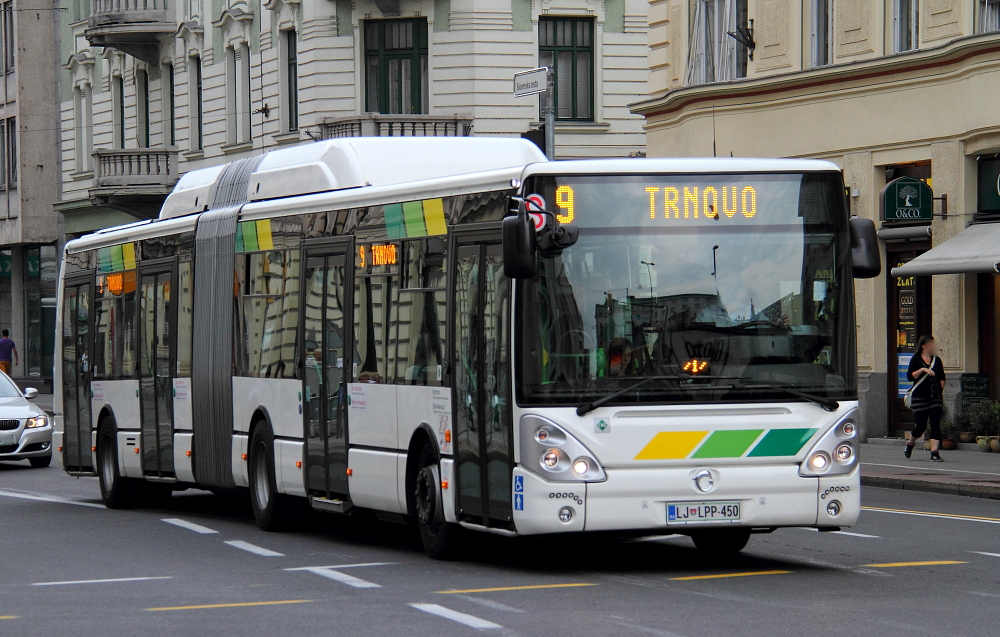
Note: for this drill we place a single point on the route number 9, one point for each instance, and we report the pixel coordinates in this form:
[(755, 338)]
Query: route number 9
[(564, 201)]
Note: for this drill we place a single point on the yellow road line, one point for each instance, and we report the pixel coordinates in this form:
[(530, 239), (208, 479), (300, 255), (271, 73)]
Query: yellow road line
[(723, 575), (898, 564), (515, 588), (8, 617), (286, 601), (932, 514)]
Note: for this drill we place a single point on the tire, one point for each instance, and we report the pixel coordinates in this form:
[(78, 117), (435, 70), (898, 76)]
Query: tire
[(271, 510), (440, 538), (40, 462), (116, 491), (721, 541)]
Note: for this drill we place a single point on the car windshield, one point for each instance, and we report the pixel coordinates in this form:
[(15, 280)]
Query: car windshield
[(724, 288), (8, 389)]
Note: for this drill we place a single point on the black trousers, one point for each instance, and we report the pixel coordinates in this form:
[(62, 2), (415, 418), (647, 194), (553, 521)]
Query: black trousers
[(922, 417)]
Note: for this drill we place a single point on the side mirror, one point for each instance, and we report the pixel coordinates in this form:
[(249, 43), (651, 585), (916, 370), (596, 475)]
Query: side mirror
[(30, 392), (520, 260), (865, 257)]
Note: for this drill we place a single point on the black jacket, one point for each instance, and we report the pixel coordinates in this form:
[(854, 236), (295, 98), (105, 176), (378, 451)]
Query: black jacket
[(927, 394)]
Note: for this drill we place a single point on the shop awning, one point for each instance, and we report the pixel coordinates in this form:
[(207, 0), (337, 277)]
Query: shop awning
[(975, 249)]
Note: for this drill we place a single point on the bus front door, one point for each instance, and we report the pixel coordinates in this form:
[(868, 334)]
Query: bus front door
[(76, 344), (156, 355), (325, 309), (481, 386)]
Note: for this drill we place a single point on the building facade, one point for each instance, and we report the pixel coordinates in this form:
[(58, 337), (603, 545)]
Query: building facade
[(885, 89), (29, 182), (155, 89)]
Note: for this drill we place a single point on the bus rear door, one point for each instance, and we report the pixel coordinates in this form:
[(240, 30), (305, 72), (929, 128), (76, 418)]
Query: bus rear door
[(157, 352)]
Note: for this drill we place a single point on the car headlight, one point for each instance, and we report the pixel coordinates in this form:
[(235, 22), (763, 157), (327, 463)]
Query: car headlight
[(37, 421), (550, 451), (836, 452)]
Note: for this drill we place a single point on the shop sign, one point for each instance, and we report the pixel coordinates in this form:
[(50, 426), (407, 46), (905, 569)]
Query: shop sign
[(907, 199), (989, 185)]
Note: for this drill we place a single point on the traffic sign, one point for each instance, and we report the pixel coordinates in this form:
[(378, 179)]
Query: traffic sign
[(531, 82)]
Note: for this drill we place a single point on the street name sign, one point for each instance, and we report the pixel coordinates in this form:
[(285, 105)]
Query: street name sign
[(531, 82)]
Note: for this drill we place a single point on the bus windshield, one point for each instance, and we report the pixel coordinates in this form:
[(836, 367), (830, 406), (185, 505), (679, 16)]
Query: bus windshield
[(715, 287)]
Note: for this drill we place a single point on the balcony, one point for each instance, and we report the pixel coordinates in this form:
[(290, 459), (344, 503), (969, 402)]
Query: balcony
[(134, 180), (382, 125), (131, 26)]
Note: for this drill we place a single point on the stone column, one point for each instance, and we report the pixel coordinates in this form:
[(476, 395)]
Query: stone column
[(18, 319)]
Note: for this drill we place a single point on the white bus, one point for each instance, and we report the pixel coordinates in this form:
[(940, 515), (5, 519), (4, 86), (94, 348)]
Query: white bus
[(459, 332)]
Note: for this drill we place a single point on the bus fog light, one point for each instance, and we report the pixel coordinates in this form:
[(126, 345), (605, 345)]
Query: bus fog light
[(581, 466), (819, 462), (542, 435), (845, 453), (833, 508), (566, 514), (849, 428), (551, 458)]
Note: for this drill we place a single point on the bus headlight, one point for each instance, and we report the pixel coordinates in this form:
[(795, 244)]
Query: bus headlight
[(836, 452), (844, 453), (552, 452)]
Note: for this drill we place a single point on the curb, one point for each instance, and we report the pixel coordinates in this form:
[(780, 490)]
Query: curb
[(948, 488)]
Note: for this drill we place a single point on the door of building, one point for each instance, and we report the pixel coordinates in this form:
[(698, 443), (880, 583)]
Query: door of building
[(480, 346), (76, 374), (909, 317), (326, 317), (157, 352)]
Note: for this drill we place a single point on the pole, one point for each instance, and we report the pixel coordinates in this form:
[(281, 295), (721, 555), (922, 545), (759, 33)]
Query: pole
[(550, 117)]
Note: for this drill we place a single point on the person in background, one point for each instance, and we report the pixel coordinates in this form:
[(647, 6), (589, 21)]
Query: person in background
[(7, 350), (927, 401)]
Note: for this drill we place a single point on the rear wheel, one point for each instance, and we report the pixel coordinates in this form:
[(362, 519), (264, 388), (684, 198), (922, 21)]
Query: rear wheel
[(721, 541), (116, 491), (271, 509), (41, 462), (440, 538)]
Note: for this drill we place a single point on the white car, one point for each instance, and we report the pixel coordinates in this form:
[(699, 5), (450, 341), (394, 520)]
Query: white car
[(25, 430)]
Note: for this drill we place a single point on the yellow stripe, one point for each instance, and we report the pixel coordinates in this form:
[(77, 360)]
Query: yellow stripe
[(515, 588), (724, 575), (264, 240), (8, 617), (671, 445), (287, 601), (434, 217), (942, 515), (898, 564), (128, 255)]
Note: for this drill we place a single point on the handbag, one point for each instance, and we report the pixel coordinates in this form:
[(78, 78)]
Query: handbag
[(908, 396)]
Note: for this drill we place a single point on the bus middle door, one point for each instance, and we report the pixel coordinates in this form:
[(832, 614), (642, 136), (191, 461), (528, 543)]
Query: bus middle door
[(157, 352)]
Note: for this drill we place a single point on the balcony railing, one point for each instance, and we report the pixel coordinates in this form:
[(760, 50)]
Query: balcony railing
[(381, 125), (118, 168), (128, 11)]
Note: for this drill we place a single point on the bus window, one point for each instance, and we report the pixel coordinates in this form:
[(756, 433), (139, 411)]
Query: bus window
[(268, 323), (372, 304)]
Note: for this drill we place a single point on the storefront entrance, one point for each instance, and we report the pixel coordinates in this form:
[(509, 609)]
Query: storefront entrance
[(909, 317)]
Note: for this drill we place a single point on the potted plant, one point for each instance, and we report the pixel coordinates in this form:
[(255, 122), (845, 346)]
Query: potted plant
[(948, 435)]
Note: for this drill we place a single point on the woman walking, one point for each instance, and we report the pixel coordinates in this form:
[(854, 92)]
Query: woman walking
[(926, 372)]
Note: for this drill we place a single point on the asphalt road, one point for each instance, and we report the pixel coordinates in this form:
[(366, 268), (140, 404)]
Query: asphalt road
[(199, 566)]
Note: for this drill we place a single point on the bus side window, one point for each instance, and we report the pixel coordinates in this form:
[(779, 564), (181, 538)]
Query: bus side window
[(421, 313)]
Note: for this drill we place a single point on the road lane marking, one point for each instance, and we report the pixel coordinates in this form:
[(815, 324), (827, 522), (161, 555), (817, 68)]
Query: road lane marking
[(489, 603), (253, 548), (237, 605), (469, 620), (514, 588), (47, 498), (900, 564), (190, 526), (656, 538), (931, 514), (339, 566), (329, 573), (100, 581), (848, 533), (724, 575), (985, 553), (624, 623), (922, 468), (9, 617)]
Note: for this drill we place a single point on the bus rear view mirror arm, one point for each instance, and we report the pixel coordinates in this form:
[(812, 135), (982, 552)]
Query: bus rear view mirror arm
[(865, 257)]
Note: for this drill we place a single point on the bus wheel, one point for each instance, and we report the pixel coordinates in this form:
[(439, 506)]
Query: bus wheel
[(721, 541), (269, 506), (439, 537), (116, 491)]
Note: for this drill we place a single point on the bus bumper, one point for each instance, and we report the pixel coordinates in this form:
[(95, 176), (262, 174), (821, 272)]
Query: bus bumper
[(637, 499)]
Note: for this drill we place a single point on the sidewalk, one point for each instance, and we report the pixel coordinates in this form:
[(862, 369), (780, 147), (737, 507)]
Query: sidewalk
[(963, 472)]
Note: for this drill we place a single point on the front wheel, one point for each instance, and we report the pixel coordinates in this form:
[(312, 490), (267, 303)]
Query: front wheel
[(116, 491), (721, 541), (40, 462), (440, 537)]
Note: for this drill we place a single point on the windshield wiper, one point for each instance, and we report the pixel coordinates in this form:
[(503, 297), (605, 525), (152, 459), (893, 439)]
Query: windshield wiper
[(586, 408), (828, 404)]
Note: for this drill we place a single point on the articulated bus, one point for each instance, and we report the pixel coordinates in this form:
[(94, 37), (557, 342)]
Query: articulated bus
[(461, 333)]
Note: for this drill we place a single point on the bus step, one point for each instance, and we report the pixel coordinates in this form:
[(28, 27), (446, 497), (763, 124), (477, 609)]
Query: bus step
[(331, 505)]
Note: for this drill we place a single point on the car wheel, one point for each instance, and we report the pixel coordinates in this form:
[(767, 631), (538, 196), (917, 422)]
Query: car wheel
[(271, 510), (440, 538), (117, 492), (41, 462), (721, 541)]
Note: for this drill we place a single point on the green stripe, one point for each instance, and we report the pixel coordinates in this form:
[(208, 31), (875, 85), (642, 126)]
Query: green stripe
[(117, 259), (104, 259), (413, 214), (394, 228), (239, 238), (727, 444), (782, 442), (250, 236)]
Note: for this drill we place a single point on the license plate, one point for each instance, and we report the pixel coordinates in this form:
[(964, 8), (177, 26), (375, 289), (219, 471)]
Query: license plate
[(702, 512)]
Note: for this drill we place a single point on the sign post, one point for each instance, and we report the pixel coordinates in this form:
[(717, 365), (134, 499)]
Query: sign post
[(907, 199), (536, 81)]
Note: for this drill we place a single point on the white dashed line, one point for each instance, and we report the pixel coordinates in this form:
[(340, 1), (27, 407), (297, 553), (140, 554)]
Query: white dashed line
[(190, 526), (48, 498), (469, 620), (985, 553), (848, 533), (253, 548), (100, 581), (329, 572), (489, 603)]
